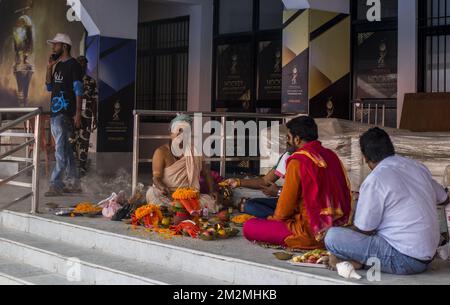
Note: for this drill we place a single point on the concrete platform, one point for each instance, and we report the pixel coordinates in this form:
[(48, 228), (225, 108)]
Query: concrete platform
[(183, 260), (234, 261)]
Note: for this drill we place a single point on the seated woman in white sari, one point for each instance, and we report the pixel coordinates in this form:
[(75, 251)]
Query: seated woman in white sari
[(171, 172)]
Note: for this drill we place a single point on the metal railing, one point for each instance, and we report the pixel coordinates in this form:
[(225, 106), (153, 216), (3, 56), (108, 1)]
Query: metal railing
[(31, 139), (223, 159), (363, 107)]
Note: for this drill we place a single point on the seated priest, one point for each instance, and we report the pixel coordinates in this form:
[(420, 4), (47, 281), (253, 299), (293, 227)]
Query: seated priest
[(396, 219), (264, 207), (316, 194), (172, 171)]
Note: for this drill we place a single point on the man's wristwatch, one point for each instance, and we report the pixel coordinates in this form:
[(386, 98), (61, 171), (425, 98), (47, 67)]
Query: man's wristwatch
[(279, 192)]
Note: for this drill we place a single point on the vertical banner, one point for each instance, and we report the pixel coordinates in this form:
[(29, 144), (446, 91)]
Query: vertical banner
[(376, 65), (295, 62), (25, 27), (329, 65), (234, 76), (316, 64), (269, 72), (117, 74)]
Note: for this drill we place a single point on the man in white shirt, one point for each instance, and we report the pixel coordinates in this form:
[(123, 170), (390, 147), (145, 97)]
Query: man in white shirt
[(396, 218)]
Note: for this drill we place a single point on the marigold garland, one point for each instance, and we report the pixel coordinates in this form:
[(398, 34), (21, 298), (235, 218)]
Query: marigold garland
[(86, 207), (150, 214), (186, 194)]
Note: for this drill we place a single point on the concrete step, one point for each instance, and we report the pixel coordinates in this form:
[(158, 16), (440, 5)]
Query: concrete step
[(88, 265), (182, 265), (17, 273)]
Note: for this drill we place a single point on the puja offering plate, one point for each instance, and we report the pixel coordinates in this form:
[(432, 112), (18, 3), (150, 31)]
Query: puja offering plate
[(306, 265), (283, 256), (312, 259)]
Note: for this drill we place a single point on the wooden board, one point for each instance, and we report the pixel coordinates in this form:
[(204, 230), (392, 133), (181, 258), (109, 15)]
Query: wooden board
[(426, 112)]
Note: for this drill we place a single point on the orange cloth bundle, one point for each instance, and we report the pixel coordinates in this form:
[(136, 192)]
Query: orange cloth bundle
[(189, 198)]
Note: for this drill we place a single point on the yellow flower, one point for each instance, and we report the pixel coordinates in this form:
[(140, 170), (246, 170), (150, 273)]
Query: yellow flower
[(241, 219)]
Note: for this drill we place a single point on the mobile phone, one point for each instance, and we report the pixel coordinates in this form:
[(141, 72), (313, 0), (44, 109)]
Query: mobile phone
[(54, 57)]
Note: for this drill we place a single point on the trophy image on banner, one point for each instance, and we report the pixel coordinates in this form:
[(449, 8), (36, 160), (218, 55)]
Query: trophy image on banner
[(277, 66), (383, 54), (23, 38), (330, 107)]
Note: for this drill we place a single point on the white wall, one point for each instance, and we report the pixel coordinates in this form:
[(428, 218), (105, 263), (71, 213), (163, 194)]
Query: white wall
[(200, 43), (200, 55), (339, 6), (113, 18), (407, 51)]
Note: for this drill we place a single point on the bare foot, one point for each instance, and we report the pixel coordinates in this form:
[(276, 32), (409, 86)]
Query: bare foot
[(357, 265), (334, 261)]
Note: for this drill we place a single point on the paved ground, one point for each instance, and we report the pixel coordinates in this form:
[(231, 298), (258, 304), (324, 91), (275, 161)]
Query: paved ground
[(238, 248)]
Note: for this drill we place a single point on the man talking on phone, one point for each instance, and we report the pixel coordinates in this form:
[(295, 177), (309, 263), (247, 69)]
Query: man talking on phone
[(65, 81)]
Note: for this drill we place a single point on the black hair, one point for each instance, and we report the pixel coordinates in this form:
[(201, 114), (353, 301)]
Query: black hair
[(304, 127), (376, 145)]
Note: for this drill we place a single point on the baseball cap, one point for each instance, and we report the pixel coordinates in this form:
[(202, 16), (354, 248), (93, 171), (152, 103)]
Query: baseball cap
[(61, 38)]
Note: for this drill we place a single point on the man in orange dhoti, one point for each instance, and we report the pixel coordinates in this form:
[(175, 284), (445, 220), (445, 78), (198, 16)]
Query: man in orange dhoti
[(316, 195), (171, 172)]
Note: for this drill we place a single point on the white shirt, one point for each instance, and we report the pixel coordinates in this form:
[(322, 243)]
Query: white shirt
[(281, 167), (399, 201)]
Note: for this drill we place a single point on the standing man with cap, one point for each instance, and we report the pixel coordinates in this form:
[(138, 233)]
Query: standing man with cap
[(65, 81)]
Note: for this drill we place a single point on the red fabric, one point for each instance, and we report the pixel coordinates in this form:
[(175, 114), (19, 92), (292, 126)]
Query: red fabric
[(325, 188), (267, 231), (187, 227)]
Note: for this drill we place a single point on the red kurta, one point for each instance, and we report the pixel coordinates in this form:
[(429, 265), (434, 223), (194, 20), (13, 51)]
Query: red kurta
[(315, 197)]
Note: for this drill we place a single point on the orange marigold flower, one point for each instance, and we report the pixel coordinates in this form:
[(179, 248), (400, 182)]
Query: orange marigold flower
[(186, 194), (151, 215)]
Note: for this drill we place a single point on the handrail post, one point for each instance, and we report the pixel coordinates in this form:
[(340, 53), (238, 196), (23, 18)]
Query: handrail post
[(136, 135), (362, 113), (223, 153), (1, 122), (27, 130), (376, 114), (36, 159)]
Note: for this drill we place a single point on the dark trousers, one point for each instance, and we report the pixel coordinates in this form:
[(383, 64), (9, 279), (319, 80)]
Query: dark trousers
[(261, 207)]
